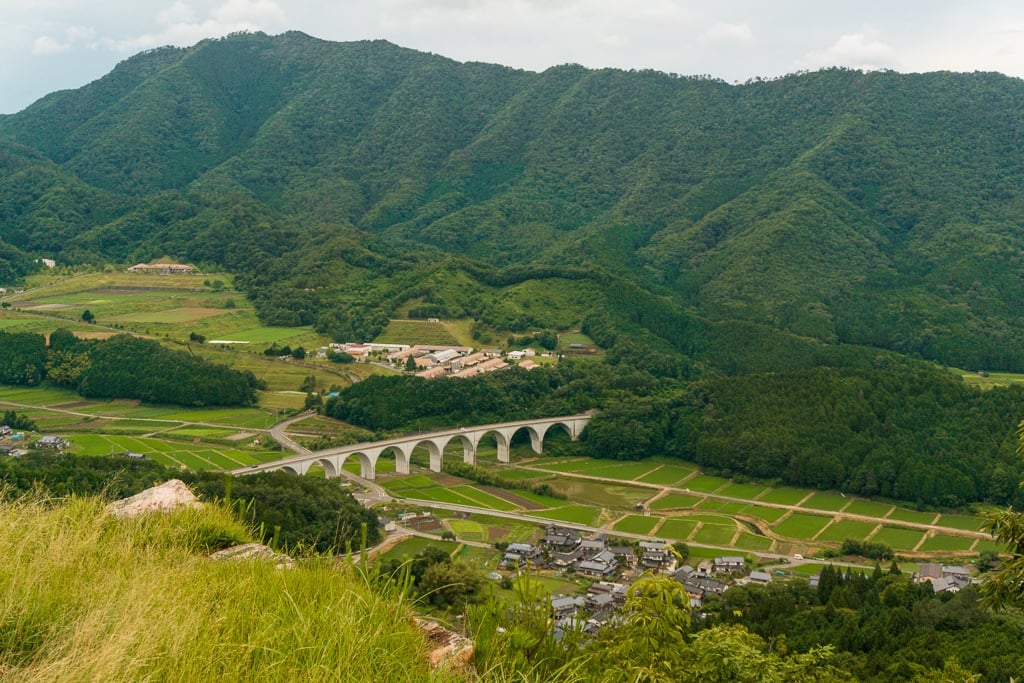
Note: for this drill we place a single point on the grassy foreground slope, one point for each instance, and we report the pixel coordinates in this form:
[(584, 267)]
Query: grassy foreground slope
[(91, 597)]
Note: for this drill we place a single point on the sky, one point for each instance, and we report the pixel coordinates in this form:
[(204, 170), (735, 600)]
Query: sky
[(49, 45)]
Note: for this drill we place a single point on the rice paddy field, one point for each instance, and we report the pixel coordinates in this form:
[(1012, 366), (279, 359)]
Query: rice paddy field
[(700, 509)]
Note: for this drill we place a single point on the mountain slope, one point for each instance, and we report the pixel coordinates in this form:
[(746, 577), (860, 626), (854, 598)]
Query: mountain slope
[(877, 209)]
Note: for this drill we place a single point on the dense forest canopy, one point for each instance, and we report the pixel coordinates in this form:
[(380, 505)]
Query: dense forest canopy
[(347, 182)]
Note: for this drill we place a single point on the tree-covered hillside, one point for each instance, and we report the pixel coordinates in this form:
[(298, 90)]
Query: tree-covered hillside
[(341, 179)]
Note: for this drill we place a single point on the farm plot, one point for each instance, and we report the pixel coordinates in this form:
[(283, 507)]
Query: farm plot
[(965, 522), (898, 538), (705, 483), (468, 530), (783, 496), (597, 493), (746, 541), (843, 529), (636, 524), (768, 514), (903, 515), (626, 472), (944, 543), (867, 508), (744, 491), (484, 499), (675, 501), (829, 502), (580, 514), (800, 526), (667, 475), (509, 474), (715, 534), (677, 528)]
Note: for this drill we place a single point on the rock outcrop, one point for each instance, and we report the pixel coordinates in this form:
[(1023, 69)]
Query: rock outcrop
[(447, 649), (163, 498), (254, 551)]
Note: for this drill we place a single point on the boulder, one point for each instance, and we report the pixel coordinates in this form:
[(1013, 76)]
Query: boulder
[(163, 498)]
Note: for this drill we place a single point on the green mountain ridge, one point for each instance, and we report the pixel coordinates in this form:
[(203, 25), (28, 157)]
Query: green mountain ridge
[(339, 179)]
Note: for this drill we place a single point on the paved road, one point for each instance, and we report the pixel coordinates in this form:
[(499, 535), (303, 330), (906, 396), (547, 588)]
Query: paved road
[(374, 494)]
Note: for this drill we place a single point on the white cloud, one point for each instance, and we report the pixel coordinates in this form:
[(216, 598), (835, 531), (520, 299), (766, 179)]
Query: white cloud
[(855, 50), (178, 13), (45, 46), (723, 32), (179, 25)]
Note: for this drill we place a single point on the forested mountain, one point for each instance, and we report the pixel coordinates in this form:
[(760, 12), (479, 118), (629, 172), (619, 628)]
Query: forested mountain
[(346, 181)]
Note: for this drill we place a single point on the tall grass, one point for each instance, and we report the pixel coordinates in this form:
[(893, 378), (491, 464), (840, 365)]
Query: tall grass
[(84, 596)]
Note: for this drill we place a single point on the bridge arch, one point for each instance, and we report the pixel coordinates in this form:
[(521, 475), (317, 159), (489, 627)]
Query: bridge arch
[(401, 457), (330, 471), (366, 469), (468, 447), (289, 468), (435, 451)]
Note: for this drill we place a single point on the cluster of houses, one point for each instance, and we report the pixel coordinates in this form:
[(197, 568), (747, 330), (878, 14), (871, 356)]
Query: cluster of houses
[(10, 441), (565, 550), (944, 578), (434, 361)]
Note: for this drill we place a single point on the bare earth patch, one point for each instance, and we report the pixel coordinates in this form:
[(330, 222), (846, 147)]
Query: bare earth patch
[(240, 436)]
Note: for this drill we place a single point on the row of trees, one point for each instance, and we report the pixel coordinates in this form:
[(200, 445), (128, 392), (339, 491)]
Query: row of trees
[(122, 367)]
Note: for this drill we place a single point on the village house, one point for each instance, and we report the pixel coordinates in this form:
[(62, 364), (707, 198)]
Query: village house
[(729, 563), (560, 539), (590, 548), (564, 606), (600, 565), (655, 556), (624, 554), (51, 442), (517, 554)]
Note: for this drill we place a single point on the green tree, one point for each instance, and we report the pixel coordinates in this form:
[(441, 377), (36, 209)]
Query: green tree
[(87, 316), (1004, 587)]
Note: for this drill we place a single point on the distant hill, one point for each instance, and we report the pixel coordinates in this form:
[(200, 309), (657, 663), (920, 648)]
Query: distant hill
[(347, 183)]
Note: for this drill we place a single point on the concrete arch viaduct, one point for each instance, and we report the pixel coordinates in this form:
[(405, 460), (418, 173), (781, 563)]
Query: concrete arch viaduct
[(332, 459)]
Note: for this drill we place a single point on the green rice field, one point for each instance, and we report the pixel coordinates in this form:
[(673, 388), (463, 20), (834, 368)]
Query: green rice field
[(667, 475), (678, 528), (867, 508), (580, 514), (675, 501), (636, 524), (705, 483), (961, 522), (904, 515), (942, 542), (829, 502), (170, 453), (898, 538), (801, 526), (783, 496), (843, 529)]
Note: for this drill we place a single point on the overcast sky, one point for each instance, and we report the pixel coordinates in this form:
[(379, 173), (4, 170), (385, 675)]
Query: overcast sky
[(48, 45)]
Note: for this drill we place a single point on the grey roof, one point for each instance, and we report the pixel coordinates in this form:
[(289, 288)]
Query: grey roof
[(763, 577)]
